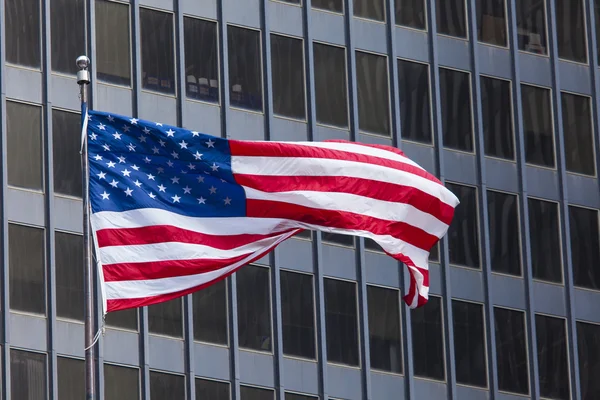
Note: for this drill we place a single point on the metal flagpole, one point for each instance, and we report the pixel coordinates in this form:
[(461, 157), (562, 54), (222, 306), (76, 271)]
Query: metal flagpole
[(83, 79)]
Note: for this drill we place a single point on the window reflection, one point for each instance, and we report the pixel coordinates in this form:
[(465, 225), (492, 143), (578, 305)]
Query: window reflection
[(373, 93), (331, 87), (158, 52), (287, 70), (329, 5), (71, 378), (455, 97), (428, 340), (210, 313), (505, 245), (245, 68), (67, 35), (469, 343), (588, 345), (113, 53), (511, 350), (496, 108), (297, 314), (491, 22), (370, 9), (531, 26), (211, 390), (24, 140), (341, 321), (463, 234), (415, 111), (570, 30), (552, 355), (254, 307), (451, 18), (27, 375), (22, 30), (384, 329), (577, 129), (166, 386), (411, 13), (545, 240), (537, 126), (69, 275), (121, 383), (66, 128), (585, 251), (165, 318), (201, 59)]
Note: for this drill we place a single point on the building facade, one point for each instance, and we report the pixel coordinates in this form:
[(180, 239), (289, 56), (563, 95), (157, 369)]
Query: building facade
[(498, 98)]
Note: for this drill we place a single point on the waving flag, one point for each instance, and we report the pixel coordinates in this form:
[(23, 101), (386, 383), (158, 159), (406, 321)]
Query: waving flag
[(175, 210)]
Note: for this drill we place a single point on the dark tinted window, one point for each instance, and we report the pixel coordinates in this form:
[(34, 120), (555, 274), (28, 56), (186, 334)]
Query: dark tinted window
[(23, 24), (24, 136), (411, 13), (329, 5), (245, 71), (71, 378), (455, 93), (585, 248), (415, 111), (597, 22), (121, 383), (434, 253), (511, 351), (253, 393), (287, 75), (370, 9), (254, 307), (588, 345), (384, 329), (165, 318), (26, 269), (67, 34), (297, 309), (341, 321), (463, 234), (166, 386), (294, 396), (69, 275), (66, 132), (210, 313), (373, 93), (451, 18), (213, 390), (469, 343), (577, 129), (335, 238), (552, 357), (531, 26), (28, 375), (158, 53), (428, 339), (496, 108), (505, 245), (570, 30), (537, 126), (201, 59), (331, 86), (125, 319), (545, 240), (113, 53), (491, 22)]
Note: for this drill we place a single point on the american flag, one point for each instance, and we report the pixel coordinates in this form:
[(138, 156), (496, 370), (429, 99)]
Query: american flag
[(175, 210)]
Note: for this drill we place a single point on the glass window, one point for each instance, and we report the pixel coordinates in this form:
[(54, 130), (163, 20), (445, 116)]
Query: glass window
[(463, 234), (336, 238), (497, 120), (66, 132), (295, 396), (71, 378), (113, 43), (201, 59), (67, 36), (577, 129), (531, 26), (544, 236), (341, 321), (537, 126), (585, 251), (254, 307), (121, 383), (505, 244), (245, 68), (24, 137), (451, 18), (26, 269), (370, 9), (125, 319), (158, 52), (434, 253), (411, 13), (69, 275), (287, 75), (511, 351), (166, 386), (253, 393), (491, 22), (597, 23), (384, 329), (165, 318), (213, 390), (588, 346), (415, 106), (331, 85), (428, 340), (290, 1), (570, 30), (551, 337), (329, 5), (469, 343), (373, 93), (372, 245), (27, 375), (298, 318), (210, 313), (455, 93), (22, 29)]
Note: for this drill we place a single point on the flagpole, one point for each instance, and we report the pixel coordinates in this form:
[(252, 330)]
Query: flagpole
[(83, 79)]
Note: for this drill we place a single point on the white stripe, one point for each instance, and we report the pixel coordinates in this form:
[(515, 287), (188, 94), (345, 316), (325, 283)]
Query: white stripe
[(347, 202), (292, 166)]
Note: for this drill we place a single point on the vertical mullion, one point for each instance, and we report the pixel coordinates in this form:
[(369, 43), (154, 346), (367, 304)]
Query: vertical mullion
[(564, 206), (595, 78)]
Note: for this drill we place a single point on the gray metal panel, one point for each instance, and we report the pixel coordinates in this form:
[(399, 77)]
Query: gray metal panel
[(549, 298), (542, 183), (470, 284), (65, 92), (339, 262), (382, 269), (430, 390), (168, 5), (296, 254), (322, 133), (327, 27), (435, 278), (534, 69), (575, 77), (202, 117), (494, 61), (285, 18), (508, 291), (204, 8), (29, 332), (460, 167), (246, 125), (69, 338), (246, 13), (157, 107), (70, 212), (256, 368), (453, 53), (121, 347), (421, 154), (23, 84), (502, 175), (471, 393), (211, 361), (300, 375), (283, 129), (370, 36), (165, 353), (386, 385), (411, 44), (344, 382), (25, 206), (583, 190), (586, 305), (114, 99)]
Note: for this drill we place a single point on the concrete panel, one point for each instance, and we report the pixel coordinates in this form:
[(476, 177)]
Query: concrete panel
[(288, 130), (460, 167), (166, 353), (246, 125), (211, 361), (327, 27), (535, 69), (158, 108), (466, 284), (65, 92), (508, 291), (205, 8), (121, 347), (322, 133), (454, 53), (202, 117), (421, 154), (575, 77), (29, 332), (542, 183), (471, 393), (285, 18), (23, 84), (300, 375), (339, 262), (583, 190), (245, 13), (25, 207), (586, 305), (370, 36), (295, 254), (115, 99), (382, 269), (256, 368), (374, 139), (344, 383), (412, 44), (549, 299), (167, 5), (383, 385), (68, 214), (435, 278), (430, 390), (501, 175), (67, 335), (494, 61)]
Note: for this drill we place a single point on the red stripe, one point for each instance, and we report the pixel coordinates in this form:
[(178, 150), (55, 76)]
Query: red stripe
[(274, 149), (358, 186), (341, 219)]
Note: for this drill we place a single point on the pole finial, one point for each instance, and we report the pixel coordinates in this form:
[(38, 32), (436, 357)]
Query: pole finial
[(83, 75)]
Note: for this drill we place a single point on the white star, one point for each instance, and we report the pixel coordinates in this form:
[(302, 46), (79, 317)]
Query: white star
[(98, 157), (114, 183), (151, 177), (194, 134), (102, 127), (155, 150), (117, 135), (191, 166), (158, 124), (213, 190), (147, 160), (106, 147), (110, 118), (162, 144), (142, 139), (183, 144), (160, 170), (200, 179), (176, 199), (93, 136), (146, 130), (89, 117), (152, 195), (175, 155), (210, 143), (175, 180), (128, 192), (197, 156), (135, 167), (111, 164), (223, 180), (227, 201), (126, 172), (187, 190), (161, 188), (101, 175), (105, 195), (125, 128), (201, 200), (133, 121), (121, 160), (170, 133), (131, 147), (215, 167), (137, 183), (183, 171), (170, 163)]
